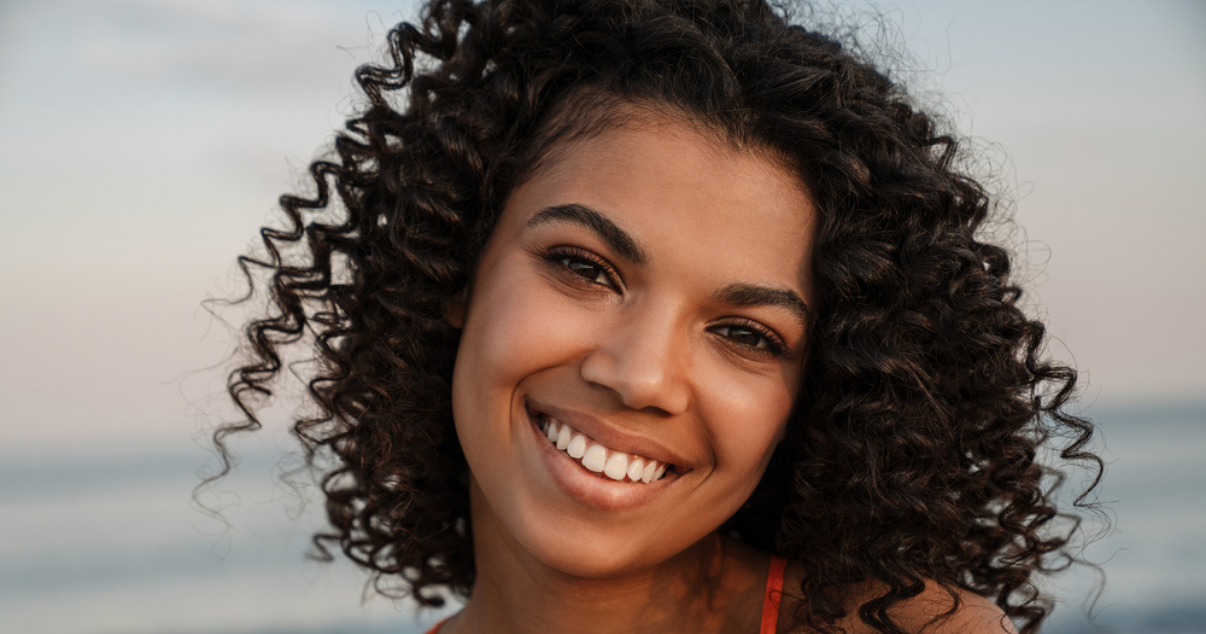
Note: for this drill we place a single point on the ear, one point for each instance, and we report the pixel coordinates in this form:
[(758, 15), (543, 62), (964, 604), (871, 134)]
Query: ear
[(454, 309)]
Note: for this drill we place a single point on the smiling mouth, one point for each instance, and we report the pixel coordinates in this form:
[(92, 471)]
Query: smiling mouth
[(598, 459)]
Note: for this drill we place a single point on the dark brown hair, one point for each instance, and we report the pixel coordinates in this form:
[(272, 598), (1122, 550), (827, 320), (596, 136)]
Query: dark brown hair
[(911, 454)]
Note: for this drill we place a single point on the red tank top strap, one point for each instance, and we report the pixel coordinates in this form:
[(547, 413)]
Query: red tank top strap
[(774, 591), (436, 628)]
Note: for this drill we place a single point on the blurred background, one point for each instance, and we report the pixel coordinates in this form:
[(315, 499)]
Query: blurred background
[(144, 142)]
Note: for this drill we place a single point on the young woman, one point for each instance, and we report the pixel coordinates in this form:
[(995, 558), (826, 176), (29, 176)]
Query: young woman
[(663, 316)]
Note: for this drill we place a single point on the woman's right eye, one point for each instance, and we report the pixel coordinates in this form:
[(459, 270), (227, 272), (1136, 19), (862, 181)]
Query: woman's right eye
[(586, 270), (583, 266)]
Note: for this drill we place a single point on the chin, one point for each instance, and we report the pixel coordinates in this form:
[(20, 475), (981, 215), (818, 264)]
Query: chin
[(594, 554), (588, 547)]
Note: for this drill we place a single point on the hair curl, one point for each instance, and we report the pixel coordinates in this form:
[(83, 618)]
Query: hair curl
[(911, 454)]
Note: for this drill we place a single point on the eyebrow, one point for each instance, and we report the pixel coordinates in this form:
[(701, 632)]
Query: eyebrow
[(616, 238), (622, 243), (754, 295)]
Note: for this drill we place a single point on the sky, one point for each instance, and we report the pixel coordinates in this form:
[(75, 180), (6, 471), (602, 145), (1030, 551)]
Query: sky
[(144, 142)]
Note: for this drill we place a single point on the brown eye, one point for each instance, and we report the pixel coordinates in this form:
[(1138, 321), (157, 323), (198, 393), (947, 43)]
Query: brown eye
[(587, 270), (752, 337), (586, 267), (745, 336)]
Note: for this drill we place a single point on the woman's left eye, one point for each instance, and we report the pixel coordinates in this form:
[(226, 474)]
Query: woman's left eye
[(750, 337)]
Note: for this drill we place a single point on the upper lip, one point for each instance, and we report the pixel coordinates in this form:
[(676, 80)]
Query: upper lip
[(610, 436)]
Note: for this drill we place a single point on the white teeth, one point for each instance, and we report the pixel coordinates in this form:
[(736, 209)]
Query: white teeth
[(595, 458), (635, 467), (616, 467), (599, 459), (647, 474), (563, 439), (576, 447)]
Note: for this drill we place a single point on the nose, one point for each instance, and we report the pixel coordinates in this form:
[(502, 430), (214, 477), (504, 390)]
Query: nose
[(643, 362)]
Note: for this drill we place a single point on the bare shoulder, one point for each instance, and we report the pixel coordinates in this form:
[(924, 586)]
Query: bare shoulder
[(973, 614), (928, 613)]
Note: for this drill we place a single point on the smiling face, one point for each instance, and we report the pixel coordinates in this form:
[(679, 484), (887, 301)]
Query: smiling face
[(645, 291)]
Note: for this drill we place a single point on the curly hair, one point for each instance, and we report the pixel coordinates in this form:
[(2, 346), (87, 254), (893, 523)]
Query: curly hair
[(912, 452)]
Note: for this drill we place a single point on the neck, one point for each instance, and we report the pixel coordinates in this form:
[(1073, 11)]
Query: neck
[(715, 585)]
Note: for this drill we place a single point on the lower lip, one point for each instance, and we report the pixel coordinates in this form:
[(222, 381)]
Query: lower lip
[(589, 487)]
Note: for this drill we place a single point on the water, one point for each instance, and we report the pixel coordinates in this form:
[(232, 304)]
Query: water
[(1155, 557), (114, 544)]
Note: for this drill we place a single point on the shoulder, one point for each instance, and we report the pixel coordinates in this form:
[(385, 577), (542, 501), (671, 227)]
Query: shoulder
[(934, 611), (931, 613)]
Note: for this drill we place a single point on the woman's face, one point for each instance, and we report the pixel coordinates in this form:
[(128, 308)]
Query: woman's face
[(647, 288)]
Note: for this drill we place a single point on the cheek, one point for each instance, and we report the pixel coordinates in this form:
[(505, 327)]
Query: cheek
[(515, 326), (748, 418)]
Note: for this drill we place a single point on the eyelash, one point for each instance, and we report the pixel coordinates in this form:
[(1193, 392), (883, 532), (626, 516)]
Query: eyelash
[(561, 256), (774, 345)]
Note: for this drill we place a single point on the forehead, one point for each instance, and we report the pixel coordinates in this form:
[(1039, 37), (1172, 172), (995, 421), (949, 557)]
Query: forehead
[(685, 192)]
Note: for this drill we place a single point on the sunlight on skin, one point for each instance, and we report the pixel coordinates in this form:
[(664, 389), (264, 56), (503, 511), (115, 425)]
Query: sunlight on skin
[(648, 358)]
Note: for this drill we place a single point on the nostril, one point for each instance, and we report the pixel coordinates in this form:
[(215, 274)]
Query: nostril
[(639, 378)]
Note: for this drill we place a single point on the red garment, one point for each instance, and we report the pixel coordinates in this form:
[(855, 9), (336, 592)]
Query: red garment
[(774, 592), (770, 603)]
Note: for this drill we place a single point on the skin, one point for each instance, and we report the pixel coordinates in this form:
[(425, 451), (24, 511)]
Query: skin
[(649, 285), (659, 354), (934, 611)]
